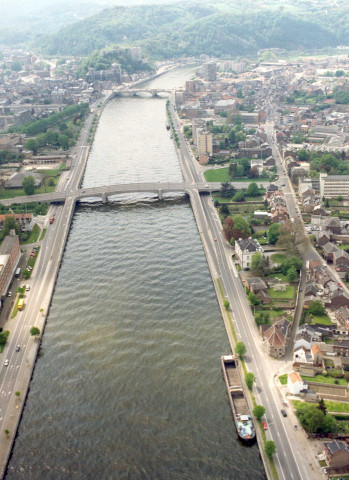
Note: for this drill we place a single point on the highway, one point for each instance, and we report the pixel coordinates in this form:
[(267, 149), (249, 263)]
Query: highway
[(16, 376), (290, 456)]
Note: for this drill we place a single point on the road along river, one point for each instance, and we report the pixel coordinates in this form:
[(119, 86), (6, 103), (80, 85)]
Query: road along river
[(128, 383)]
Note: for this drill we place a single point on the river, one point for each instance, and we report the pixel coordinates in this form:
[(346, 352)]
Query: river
[(128, 382)]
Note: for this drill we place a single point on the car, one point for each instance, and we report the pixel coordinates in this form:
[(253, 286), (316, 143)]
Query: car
[(215, 239), (6, 362), (283, 412), (265, 426), (283, 185), (339, 284), (33, 254), (27, 288), (207, 186), (18, 348), (9, 293)]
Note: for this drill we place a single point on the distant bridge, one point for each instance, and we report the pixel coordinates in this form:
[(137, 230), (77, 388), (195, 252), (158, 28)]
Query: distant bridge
[(103, 192), (133, 92)]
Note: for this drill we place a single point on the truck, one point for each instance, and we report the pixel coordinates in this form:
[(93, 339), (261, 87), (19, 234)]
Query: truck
[(21, 304), (18, 272), (52, 219)]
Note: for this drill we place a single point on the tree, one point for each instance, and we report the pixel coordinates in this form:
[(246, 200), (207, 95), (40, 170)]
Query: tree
[(258, 411), (240, 349), (226, 304), (223, 209), (303, 155), (228, 228), (257, 264), (9, 224), (291, 274), (252, 190), (239, 197), (241, 225), (17, 394), (63, 141), (32, 145), (269, 448), (316, 308), (7, 432), (321, 406), (227, 190), (273, 233), (292, 237), (254, 300), (4, 337), (34, 331), (28, 185), (291, 262), (249, 379)]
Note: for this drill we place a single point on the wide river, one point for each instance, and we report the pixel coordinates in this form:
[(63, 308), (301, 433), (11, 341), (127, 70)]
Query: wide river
[(128, 383)]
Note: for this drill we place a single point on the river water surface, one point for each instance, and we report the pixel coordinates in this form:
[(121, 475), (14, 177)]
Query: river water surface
[(128, 384)]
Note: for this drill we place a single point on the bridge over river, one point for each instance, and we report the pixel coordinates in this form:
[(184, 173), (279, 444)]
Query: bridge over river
[(133, 92), (103, 192)]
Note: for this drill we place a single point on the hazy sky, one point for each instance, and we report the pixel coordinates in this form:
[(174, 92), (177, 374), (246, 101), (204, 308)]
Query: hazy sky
[(47, 16)]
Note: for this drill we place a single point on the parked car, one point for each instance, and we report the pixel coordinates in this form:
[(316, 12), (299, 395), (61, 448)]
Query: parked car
[(18, 348), (6, 362), (339, 284), (265, 426), (9, 293), (27, 288), (283, 412)]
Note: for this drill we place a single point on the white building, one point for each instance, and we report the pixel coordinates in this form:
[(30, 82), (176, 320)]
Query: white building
[(333, 186), (295, 384), (204, 143), (244, 249)]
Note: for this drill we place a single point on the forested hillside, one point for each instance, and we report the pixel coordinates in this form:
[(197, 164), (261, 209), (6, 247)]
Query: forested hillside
[(229, 27)]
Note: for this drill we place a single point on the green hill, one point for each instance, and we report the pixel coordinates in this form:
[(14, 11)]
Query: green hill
[(228, 28)]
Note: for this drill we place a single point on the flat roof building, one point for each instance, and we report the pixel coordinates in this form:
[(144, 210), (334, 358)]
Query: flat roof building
[(333, 186)]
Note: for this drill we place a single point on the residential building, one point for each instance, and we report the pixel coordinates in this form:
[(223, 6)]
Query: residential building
[(337, 454), (204, 143), (244, 250), (295, 384), (275, 337), (209, 72), (15, 181), (333, 186), (24, 220), (10, 255)]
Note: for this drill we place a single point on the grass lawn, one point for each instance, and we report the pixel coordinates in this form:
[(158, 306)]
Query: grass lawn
[(322, 379), (287, 293), (280, 277), (217, 175), (337, 406), (19, 192), (256, 199), (33, 237), (222, 175), (323, 319), (43, 233), (272, 313), (283, 379), (221, 199), (278, 257), (344, 246)]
